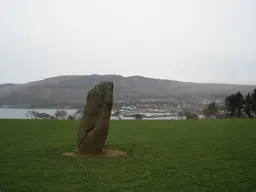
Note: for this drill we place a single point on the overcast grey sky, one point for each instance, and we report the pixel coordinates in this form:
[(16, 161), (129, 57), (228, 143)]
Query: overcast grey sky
[(187, 40)]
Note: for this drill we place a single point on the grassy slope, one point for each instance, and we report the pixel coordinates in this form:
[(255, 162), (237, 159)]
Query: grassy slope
[(163, 156)]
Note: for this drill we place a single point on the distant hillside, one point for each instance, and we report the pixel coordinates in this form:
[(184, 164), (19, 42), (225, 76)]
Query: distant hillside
[(73, 89)]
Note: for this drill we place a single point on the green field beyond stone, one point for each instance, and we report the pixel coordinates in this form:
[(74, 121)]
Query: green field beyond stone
[(170, 156)]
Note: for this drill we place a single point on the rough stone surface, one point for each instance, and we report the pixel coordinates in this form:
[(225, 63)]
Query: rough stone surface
[(93, 129)]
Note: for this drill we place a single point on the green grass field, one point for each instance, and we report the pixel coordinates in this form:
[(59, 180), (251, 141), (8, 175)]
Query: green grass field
[(206, 155)]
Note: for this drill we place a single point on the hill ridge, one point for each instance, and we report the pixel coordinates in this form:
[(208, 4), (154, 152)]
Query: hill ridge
[(69, 89)]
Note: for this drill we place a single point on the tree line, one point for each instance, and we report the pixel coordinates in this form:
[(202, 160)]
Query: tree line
[(59, 114), (235, 105), (62, 114)]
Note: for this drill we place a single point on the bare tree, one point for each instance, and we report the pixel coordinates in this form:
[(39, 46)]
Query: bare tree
[(61, 114), (38, 115), (32, 115), (71, 117), (79, 113)]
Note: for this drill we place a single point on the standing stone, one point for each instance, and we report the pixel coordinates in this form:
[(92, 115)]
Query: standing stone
[(93, 129)]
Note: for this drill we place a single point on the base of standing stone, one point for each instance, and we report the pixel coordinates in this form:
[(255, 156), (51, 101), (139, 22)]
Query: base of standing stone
[(105, 153)]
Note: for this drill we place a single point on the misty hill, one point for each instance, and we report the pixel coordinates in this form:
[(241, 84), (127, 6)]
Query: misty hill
[(73, 90)]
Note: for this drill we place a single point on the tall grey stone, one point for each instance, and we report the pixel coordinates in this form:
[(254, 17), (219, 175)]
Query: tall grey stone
[(94, 125)]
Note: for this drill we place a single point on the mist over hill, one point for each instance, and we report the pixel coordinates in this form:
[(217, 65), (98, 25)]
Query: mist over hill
[(72, 90)]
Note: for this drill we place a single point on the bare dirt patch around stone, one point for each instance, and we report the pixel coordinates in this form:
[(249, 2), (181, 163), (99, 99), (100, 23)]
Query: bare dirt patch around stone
[(105, 153)]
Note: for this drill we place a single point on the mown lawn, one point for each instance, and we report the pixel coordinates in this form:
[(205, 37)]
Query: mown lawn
[(207, 155)]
